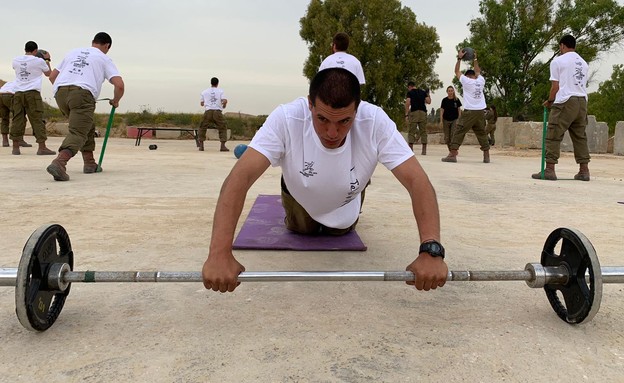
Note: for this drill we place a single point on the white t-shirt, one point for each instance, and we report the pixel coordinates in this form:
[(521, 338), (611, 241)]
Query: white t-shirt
[(571, 71), (474, 99), (212, 98), (328, 182), (346, 61), (86, 68), (8, 87), (28, 71)]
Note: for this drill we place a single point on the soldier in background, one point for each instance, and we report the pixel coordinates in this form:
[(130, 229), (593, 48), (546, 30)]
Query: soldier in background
[(27, 99)]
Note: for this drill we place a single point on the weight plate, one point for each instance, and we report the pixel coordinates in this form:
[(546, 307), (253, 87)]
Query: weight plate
[(37, 306), (581, 299)]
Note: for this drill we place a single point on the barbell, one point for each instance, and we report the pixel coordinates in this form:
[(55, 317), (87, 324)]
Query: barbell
[(45, 273)]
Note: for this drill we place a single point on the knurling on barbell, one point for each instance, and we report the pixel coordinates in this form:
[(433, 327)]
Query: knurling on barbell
[(569, 269)]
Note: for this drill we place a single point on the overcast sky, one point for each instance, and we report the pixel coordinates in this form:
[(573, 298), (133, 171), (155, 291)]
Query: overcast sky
[(167, 51)]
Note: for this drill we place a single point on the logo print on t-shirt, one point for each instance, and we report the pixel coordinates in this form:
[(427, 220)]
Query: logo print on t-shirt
[(354, 188), (213, 99), (477, 92), (23, 71), (308, 170), (578, 74), (79, 63)]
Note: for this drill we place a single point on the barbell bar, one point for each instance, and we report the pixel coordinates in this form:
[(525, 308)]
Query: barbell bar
[(44, 276), (610, 274)]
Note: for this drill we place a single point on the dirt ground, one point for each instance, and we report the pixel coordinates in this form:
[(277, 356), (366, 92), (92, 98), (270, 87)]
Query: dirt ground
[(152, 210)]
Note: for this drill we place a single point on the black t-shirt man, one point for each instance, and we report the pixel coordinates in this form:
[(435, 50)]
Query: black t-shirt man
[(417, 99)]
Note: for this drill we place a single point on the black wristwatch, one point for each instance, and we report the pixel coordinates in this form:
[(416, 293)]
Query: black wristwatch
[(434, 248)]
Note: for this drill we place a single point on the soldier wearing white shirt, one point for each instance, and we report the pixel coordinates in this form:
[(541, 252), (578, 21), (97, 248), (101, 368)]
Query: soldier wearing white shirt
[(341, 59), (77, 84), (328, 146), (568, 110), (473, 116), (214, 101), (27, 99), (6, 108)]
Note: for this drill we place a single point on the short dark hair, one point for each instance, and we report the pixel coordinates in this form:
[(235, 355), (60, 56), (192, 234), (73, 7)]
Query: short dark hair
[(411, 83), (102, 38), (214, 81), (341, 41), (470, 72), (336, 87), (569, 41), (31, 46)]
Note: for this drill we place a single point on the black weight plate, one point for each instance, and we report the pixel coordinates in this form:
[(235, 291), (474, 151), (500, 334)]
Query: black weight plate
[(37, 306), (581, 299)]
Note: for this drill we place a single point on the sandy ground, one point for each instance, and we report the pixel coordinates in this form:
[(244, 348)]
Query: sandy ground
[(152, 210)]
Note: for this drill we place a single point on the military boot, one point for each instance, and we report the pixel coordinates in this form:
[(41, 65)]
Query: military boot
[(89, 166), (44, 151), (452, 156), (16, 148), (58, 167), (583, 174), (549, 173)]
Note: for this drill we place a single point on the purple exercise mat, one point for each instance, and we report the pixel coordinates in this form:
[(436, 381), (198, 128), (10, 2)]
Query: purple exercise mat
[(264, 230)]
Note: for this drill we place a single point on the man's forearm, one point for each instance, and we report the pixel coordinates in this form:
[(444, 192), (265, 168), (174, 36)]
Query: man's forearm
[(426, 212), (423, 198), (554, 88), (229, 208), (53, 75), (477, 68), (118, 93), (457, 72)]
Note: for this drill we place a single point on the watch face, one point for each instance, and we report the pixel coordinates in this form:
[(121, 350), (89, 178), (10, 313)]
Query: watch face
[(433, 248)]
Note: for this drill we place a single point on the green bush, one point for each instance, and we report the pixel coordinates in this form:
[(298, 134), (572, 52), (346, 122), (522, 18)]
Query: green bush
[(242, 126)]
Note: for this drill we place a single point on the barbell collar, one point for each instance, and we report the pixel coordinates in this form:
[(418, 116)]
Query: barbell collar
[(55, 276), (541, 276)]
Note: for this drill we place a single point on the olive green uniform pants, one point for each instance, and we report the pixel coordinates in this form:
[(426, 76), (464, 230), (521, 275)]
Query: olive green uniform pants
[(213, 118), (298, 220), (6, 108), (449, 127), (470, 119), (78, 105), (490, 129), (417, 121), (571, 116), (29, 104)]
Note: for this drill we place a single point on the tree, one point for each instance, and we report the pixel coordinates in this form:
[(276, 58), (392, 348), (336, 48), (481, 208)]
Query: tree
[(517, 39), (391, 45), (606, 103)]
